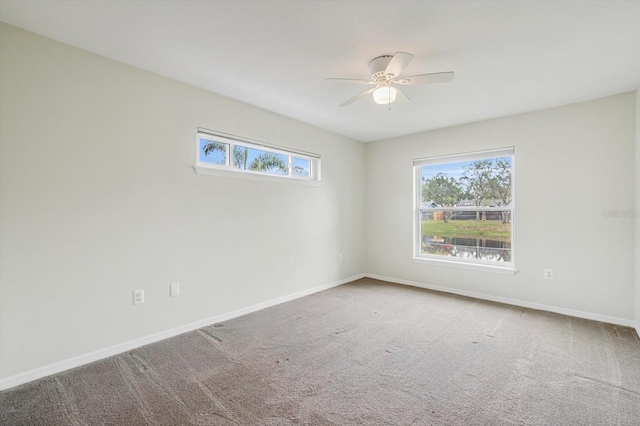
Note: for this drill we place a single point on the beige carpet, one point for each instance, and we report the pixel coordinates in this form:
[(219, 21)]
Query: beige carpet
[(365, 353)]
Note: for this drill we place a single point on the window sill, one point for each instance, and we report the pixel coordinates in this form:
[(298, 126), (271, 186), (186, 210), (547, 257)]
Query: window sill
[(255, 176), (505, 270)]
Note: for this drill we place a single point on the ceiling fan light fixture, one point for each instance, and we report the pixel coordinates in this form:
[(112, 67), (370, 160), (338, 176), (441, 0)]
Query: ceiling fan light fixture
[(385, 95), (385, 73)]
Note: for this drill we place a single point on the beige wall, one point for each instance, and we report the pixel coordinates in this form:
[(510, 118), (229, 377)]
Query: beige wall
[(99, 197), (571, 164)]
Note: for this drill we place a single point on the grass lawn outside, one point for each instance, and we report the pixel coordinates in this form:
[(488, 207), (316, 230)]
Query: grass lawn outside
[(487, 229)]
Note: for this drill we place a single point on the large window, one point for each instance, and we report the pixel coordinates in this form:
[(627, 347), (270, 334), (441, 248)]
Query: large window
[(464, 209), (218, 152)]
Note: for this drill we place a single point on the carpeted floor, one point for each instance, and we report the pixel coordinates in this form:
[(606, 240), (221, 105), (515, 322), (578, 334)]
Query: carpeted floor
[(365, 353)]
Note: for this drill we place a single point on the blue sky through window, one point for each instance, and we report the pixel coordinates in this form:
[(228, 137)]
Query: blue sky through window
[(454, 170), (215, 157), (301, 166)]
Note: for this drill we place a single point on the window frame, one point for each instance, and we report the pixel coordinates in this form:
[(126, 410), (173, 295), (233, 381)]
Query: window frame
[(228, 168), (475, 264)]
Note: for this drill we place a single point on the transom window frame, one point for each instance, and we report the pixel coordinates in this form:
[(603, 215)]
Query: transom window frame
[(508, 268), (228, 169)]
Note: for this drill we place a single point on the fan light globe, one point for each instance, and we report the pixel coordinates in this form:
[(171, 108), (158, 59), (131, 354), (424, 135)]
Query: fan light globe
[(384, 95)]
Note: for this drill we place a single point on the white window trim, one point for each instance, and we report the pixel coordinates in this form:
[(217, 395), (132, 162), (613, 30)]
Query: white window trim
[(508, 268), (246, 174), (228, 170)]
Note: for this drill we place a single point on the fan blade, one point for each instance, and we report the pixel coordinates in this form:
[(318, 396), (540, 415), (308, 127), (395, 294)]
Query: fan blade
[(359, 96), (436, 77), (351, 80), (398, 63), (401, 97)]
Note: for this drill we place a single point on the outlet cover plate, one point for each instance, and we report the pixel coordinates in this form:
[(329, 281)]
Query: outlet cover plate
[(138, 297), (174, 289)]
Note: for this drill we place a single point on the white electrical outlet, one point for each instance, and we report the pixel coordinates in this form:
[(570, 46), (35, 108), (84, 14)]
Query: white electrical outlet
[(138, 297), (174, 290), (548, 274), (340, 257)]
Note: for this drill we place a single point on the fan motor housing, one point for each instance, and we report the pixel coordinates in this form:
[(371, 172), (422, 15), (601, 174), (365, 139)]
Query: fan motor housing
[(378, 65)]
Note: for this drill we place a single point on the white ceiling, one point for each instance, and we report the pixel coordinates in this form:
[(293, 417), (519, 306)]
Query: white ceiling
[(509, 57)]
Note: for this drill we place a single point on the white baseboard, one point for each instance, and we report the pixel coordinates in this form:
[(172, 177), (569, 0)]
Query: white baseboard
[(515, 302), (80, 360)]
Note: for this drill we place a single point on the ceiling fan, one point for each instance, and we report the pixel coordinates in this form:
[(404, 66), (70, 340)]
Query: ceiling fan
[(385, 79)]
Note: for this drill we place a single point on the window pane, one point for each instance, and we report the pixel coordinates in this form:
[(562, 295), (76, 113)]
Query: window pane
[(245, 158), (467, 234), (301, 167), (221, 154), (447, 190), (213, 152)]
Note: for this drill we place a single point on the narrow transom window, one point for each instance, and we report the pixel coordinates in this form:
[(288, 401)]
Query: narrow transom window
[(464, 209), (226, 153)]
